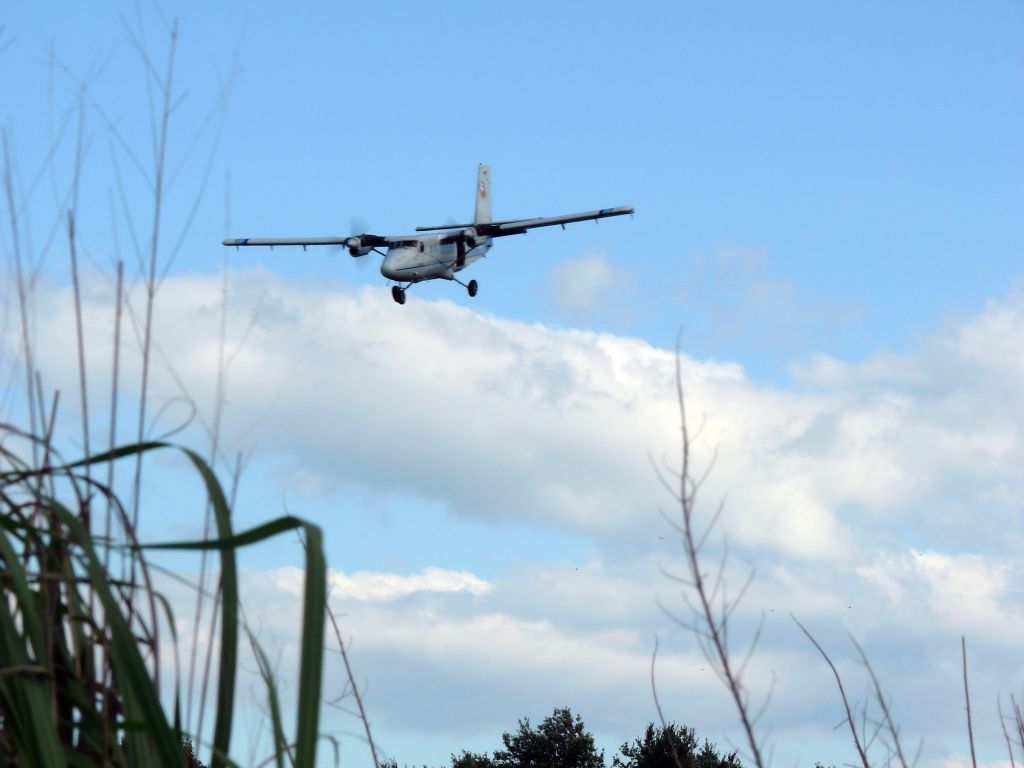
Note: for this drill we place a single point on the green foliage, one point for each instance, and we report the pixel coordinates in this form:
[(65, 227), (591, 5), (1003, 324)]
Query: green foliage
[(79, 642), (472, 760), (671, 746), (559, 740)]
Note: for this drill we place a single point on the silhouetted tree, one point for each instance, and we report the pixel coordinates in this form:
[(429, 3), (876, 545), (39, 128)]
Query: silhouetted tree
[(472, 760), (661, 746), (560, 740)]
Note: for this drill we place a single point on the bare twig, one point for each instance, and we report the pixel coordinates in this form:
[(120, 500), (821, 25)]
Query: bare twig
[(352, 682), (154, 244), (115, 365), (79, 332), (967, 701), (861, 751), (712, 608), (657, 706), (1018, 720), (887, 721), (1006, 736), (22, 297)]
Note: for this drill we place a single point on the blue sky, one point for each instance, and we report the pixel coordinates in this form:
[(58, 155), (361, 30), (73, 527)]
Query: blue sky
[(828, 203)]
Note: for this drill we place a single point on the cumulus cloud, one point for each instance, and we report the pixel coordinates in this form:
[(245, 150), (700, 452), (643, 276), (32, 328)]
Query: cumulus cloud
[(473, 661), (879, 497), (586, 285), (383, 586), (497, 419), (503, 420)]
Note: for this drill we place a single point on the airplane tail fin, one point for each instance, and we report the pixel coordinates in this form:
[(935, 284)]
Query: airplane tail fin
[(483, 195)]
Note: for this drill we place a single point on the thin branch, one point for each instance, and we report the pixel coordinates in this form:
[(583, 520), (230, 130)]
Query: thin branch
[(1002, 723), (115, 372), (22, 296), (657, 706), (352, 682), (712, 610), (887, 720), (861, 751), (967, 701), (80, 335)]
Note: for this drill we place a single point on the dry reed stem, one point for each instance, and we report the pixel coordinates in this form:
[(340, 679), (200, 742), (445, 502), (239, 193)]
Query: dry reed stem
[(657, 705), (887, 721), (714, 608), (967, 700), (22, 297), (1006, 735), (352, 682), (861, 752)]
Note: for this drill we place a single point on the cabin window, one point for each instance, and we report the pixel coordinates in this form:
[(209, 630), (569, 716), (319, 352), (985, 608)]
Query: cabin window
[(421, 246)]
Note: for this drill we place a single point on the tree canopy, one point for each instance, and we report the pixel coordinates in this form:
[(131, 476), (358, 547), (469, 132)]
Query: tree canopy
[(671, 746), (560, 739)]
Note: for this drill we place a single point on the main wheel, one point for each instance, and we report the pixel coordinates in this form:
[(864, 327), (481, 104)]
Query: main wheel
[(472, 287), (398, 294)]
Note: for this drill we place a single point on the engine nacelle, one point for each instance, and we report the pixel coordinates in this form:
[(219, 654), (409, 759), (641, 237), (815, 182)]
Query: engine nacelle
[(356, 248), (469, 237)]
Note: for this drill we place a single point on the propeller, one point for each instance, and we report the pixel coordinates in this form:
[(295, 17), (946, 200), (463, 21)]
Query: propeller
[(358, 225), (465, 240)]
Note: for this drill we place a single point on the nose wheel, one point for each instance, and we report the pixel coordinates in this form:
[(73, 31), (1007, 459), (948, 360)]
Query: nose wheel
[(398, 294)]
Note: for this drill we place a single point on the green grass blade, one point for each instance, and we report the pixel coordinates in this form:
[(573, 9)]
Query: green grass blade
[(251, 536), (16, 581), (267, 673), (229, 613), (311, 664), (26, 701), (149, 737), (140, 697)]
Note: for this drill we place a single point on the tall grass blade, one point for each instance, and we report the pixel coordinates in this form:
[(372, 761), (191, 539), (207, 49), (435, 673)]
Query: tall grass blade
[(311, 664), (267, 673), (141, 702), (227, 670), (24, 691)]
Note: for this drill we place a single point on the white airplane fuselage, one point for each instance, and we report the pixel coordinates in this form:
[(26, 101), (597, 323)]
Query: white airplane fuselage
[(427, 258)]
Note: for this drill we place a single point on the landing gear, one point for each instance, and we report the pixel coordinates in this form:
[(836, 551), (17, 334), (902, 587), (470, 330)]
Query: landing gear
[(470, 287), (398, 294)]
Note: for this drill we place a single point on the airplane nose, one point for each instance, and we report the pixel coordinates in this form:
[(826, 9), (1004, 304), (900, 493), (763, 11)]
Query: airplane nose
[(388, 268)]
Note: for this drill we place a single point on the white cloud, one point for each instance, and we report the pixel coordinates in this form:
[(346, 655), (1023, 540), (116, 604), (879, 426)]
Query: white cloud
[(586, 285), (967, 593), (383, 586), (880, 497), (502, 420)]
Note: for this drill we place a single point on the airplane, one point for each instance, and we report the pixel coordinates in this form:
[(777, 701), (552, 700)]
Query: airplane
[(445, 251)]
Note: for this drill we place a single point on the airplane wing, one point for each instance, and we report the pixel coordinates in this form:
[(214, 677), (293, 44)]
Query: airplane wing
[(520, 226), (364, 241)]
